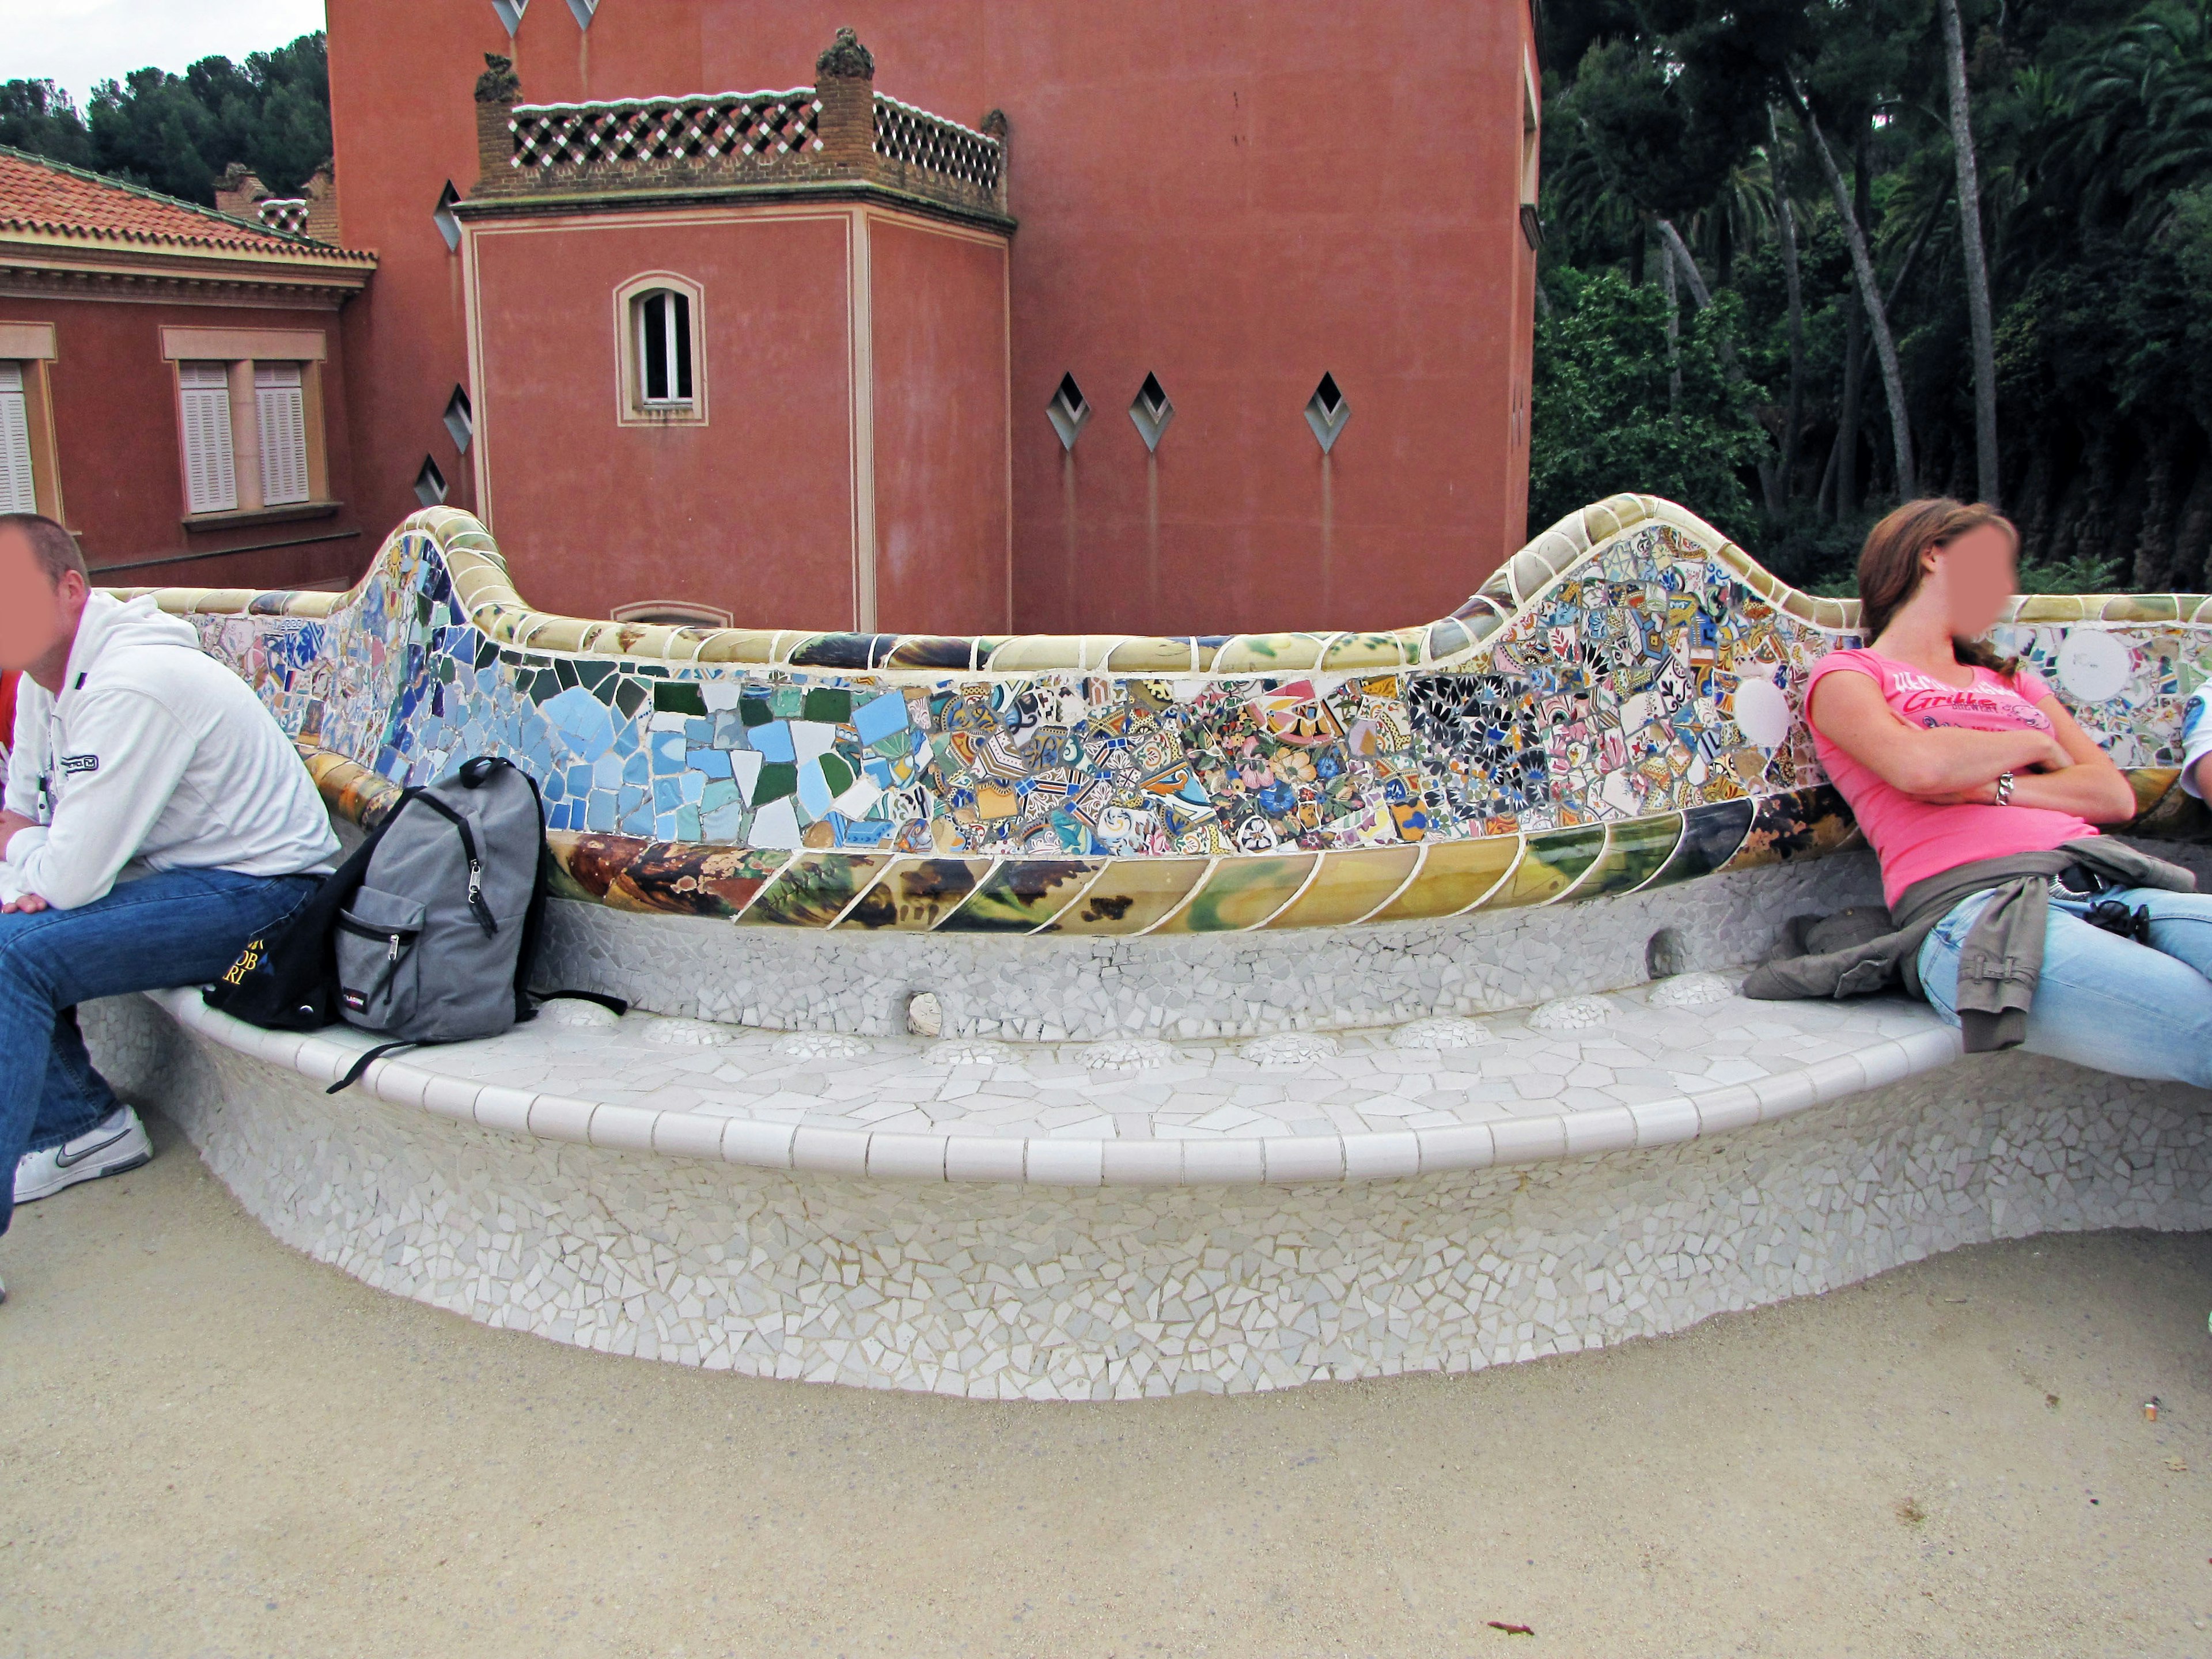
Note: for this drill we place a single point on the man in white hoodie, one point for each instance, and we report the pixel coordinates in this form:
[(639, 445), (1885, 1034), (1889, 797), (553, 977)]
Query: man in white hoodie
[(157, 819)]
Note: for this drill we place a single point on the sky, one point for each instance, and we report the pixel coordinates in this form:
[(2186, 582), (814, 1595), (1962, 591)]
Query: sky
[(79, 42)]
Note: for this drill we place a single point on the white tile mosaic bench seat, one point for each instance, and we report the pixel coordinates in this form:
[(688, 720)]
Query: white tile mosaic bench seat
[(1349, 1106), (1036, 1228)]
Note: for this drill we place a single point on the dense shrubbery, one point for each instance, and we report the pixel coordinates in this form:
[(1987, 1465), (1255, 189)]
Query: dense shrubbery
[(178, 132), (2092, 124)]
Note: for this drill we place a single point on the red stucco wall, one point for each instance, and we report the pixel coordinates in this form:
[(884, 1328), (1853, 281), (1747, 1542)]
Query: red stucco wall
[(751, 510), (938, 328), (122, 471), (1235, 197)]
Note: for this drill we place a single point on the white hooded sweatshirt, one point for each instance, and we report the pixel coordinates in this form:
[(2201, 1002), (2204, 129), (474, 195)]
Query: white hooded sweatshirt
[(154, 756)]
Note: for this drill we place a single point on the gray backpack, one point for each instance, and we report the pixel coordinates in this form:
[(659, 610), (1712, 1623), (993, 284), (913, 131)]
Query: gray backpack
[(437, 943)]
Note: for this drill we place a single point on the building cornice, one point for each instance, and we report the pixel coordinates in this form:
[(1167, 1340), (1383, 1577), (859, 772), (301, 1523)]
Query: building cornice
[(631, 199), (73, 269), (154, 290)]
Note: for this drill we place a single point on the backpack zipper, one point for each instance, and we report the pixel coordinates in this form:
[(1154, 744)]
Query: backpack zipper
[(390, 937), (485, 920)]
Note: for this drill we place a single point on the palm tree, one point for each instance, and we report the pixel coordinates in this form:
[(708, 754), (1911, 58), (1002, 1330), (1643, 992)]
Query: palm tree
[(1975, 259)]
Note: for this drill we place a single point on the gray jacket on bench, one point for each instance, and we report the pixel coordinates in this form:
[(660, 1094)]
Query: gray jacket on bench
[(1862, 951)]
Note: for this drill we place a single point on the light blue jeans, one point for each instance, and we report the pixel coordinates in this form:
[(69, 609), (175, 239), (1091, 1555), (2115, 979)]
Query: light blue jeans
[(2105, 1001)]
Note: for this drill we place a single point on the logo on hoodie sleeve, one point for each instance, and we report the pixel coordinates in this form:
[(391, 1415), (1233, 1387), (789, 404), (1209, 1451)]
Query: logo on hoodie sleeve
[(78, 765)]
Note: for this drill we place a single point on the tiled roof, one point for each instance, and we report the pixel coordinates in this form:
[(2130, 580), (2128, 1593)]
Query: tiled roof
[(52, 198)]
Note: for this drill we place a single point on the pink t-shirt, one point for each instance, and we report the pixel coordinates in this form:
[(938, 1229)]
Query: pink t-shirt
[(1914, 839)]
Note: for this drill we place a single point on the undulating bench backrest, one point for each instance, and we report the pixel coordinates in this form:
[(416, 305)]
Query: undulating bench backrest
[(1618, 707)]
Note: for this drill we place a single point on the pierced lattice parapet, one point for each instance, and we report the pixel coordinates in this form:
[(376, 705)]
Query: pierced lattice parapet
[(729, 127), (285, 214), (915, 138)]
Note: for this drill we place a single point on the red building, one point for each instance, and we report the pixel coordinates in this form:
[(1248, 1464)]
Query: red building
[(824, 448), (172, 385), (1264, 326)]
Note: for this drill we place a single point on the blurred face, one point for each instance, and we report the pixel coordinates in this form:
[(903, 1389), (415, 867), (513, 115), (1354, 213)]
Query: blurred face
[(1974, 573), (37, 616)]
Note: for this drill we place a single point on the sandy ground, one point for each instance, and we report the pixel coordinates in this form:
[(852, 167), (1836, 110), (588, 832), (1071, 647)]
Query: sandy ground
[(211, 1445)]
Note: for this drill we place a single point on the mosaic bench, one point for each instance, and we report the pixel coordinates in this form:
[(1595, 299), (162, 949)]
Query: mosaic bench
[(1305, 1006)]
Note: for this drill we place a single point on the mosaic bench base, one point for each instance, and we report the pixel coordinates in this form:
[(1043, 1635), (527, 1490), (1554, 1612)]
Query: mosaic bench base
[(1019, 1222)]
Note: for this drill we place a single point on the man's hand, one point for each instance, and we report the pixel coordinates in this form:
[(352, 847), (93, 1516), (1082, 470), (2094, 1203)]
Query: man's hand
[(29, 905)]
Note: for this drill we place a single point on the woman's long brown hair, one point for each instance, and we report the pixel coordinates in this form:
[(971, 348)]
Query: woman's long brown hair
[(1889, 566)]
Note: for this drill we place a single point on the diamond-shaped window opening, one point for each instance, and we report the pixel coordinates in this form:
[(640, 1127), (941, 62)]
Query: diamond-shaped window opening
[(1326, 412), (460, 420), (510, 12), (1068, 411), (448, 222), (429, 484), (583, 8), (1151, 411)]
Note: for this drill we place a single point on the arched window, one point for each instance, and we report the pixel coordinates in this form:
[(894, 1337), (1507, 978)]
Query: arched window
[(663, 375)]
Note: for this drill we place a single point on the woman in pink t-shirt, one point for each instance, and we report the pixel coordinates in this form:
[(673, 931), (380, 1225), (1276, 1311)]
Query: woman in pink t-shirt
[(1949, 754)]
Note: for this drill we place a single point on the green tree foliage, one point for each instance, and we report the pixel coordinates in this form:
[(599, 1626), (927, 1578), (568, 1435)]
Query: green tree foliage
[(39, 117), (178, 132), (2092, 124), (1601, 405)]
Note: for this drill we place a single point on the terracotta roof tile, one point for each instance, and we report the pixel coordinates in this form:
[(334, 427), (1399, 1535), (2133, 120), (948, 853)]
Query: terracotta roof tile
[(38, 195)]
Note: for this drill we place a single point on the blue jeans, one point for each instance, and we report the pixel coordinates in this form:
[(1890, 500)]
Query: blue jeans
[(2105, 1001), (178, 927)]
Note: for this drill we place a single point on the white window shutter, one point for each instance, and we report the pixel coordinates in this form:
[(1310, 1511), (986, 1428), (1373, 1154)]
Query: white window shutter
[(211, 474), (280, 406), (16, 492)]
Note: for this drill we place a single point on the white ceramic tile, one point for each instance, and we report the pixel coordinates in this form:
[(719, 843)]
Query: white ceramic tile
[(684, 1135), (1783, 1093), (1378, 1156), (906, 1158), (1518, 1139), (1658, 1122), (1303, 1157), (1205, 1162), (625, 1128), (553, 1117), (1886, 1062), (1064, 1162), (1835, 1076), (767, 1146), (498, 1107), (982, 1157), (1458, 1146), (825, 1151), (1606, 1130), (390, 1079), (452, 1096), (1722, 1109), (1143, 1162)]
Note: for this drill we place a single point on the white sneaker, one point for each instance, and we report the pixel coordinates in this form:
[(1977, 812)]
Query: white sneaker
[(117, 1142)]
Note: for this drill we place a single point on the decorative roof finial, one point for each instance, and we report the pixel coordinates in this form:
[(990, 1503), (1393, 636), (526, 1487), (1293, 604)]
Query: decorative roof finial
[(846, 59), (499, 83), (995, 125)]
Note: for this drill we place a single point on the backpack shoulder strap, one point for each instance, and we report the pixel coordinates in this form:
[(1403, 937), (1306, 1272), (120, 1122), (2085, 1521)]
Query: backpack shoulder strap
[(362, 1062)]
